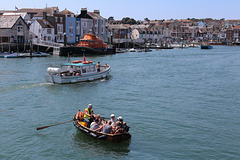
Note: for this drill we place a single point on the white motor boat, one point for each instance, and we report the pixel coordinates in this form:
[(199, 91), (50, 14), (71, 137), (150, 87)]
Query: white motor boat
[(77, 71)]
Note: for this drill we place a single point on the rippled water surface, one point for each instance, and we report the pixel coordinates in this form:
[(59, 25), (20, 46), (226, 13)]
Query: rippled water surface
[(180, 104)]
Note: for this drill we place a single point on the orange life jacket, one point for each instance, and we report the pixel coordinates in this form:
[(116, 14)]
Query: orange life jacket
[(80, 115)]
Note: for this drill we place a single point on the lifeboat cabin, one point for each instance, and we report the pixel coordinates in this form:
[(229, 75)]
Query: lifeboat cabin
[(92, 41)]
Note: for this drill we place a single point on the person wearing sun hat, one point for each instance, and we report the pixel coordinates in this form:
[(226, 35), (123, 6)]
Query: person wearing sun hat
[(113, 120)]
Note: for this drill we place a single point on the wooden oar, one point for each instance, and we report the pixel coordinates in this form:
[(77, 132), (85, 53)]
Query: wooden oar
[(53, 125)]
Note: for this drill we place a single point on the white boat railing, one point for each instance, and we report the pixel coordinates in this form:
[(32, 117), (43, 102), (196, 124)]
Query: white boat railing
[(46, 43)]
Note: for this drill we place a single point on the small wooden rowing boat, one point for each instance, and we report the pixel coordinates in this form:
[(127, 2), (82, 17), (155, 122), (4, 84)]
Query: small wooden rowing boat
[(110, 137)]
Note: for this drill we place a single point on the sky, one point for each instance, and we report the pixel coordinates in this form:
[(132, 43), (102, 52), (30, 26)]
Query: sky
[(139, 9)]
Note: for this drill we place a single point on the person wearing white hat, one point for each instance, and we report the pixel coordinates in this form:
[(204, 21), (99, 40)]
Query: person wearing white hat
[(113, 120)]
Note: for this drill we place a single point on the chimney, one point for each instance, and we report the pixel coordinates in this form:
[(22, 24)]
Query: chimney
[(44, 15), (83, 11), (97, 12)]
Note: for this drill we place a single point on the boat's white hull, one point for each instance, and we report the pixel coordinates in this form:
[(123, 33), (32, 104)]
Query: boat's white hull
[(74, 79)]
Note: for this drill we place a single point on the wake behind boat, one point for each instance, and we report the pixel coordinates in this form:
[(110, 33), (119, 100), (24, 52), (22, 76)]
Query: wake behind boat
[(77, 71)]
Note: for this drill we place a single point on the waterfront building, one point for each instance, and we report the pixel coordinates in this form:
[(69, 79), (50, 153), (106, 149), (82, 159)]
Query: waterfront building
[(70, 24), (92, 22), (119, 33), (42, 29), (13, 29), (231, 23), (99, 25), (78, 29), (56, 19), (86, 22), (233, 34)]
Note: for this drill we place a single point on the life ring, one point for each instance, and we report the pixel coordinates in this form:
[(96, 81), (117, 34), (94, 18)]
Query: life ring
[(77, 61), (85, 62)]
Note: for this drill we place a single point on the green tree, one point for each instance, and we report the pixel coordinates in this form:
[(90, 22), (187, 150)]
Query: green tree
[(111, 18), (128, 20)]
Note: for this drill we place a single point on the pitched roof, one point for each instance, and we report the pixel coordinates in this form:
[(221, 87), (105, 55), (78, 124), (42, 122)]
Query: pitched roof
[(30, 10), (94, 15), (49, 10), (116, 26), (23, 14), (44, 23), (65, 11), (8, 21)]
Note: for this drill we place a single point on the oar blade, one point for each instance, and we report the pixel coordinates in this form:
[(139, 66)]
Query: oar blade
[(42, 127)]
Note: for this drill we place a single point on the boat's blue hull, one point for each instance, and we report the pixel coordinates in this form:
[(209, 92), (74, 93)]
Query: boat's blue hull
[(206, 47)]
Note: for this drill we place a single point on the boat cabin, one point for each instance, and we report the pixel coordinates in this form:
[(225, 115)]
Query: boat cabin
[(78, 68), (92, 41)]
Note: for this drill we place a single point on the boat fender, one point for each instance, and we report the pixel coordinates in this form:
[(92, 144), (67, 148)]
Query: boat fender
[(85, 130), (92, 134), (102, 137)]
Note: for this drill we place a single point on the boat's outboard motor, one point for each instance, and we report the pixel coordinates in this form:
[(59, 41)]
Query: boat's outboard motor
[(53, 70)]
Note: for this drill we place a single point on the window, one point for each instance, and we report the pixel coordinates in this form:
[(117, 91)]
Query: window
[(20, 28), (70, 24), (49, 38), (84, 70), (70, 30), (49, 31), (39, 30), (93, 69), (78, 30), (61, 19), (59, 27), (70, 38), (56, 19)]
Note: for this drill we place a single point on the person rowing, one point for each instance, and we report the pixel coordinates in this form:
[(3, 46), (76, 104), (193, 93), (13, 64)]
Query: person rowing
[(89, 115)]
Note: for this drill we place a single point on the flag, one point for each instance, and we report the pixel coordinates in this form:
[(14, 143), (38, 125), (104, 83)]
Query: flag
[(84, 60), (16, 8)]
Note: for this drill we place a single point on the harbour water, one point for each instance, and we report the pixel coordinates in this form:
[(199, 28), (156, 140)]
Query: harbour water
[(179, 103)]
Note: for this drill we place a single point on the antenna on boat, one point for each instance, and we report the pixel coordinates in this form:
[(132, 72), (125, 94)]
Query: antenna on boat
[(68, 57)]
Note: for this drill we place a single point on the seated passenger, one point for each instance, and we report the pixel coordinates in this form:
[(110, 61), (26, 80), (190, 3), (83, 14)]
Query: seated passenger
[(79, 115), (125, 127), (94, 125), (107, 128), (99, 119), (113, 120), (120, 120), (118, 129)]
